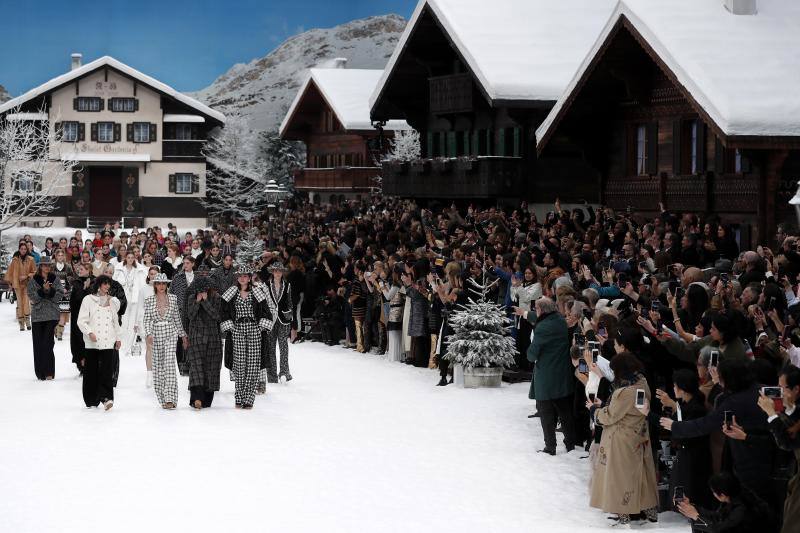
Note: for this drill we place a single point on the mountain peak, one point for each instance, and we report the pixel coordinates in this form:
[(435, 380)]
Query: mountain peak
[(262, 90), (4, 96)]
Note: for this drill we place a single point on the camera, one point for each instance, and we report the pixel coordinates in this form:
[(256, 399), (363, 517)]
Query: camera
[(772, 392)]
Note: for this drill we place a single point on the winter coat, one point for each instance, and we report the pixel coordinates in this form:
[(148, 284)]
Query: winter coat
[(171, 317), (553, 373), (76, 344), (117, 291), (279, 301), (261, 313), (692, 466), (525, 295), (396, 300), (786, 440), (624, 477), (132, 283), (20, 268), (178, 287), (44, 303), (205, 341), (93, 318), (65, 275), (418, 321), (223, 279), (751, 464)]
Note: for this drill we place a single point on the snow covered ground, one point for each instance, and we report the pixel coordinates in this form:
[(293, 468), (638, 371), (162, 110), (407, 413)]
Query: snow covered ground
[(354, 443)]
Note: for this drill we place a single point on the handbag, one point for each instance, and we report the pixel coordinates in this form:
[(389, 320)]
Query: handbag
[(136, 349)]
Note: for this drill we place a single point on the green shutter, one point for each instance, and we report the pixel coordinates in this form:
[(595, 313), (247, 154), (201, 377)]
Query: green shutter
[(501, 142), (466, 143), (489, 142), (442, 144), (475, 142), (430, 144), (517, 145), (452, 149)]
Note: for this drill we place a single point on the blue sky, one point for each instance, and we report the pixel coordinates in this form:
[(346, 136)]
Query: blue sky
[(183, 43)]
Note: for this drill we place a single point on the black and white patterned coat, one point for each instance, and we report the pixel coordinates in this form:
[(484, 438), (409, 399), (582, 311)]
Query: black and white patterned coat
[(205, 341), (280, 301), (178, 287)]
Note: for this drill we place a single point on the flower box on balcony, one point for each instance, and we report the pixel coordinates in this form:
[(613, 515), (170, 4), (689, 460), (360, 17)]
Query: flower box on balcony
[(399, 167), (442, 166)]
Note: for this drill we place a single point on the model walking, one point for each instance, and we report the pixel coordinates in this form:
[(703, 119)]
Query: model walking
[(203, 309), (245, 316), (163, 327), (45, 292), (98, 322), (81, 288), (132, 279), (63, 271), (146, 292), (20, 271), (279, 301)]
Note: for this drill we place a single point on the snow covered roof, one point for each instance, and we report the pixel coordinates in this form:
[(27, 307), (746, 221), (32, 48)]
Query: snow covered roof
[(122, 67), (104, 158), (742, 70), (517, 49), (347, 92), (183, 118), (27, 116)]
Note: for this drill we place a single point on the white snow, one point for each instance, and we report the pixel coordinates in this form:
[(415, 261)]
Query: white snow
[(347, 93), (353, 443), (742, 70), (27, 116), (517, 49), (103, 157), (122, 67), (183, 118)]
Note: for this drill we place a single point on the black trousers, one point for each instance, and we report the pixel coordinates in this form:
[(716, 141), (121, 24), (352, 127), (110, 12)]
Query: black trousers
[(548, 409), (199, 393), (44, 362), (421, 350), (180, 355), (523, 342), (98, 377)]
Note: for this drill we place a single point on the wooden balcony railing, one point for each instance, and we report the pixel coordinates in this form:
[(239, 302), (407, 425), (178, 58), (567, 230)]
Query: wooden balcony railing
[(177, 148), (344, 178), (451, 94)]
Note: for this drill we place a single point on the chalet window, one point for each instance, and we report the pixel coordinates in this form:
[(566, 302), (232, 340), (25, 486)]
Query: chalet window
[(87, 103), (70, 132), (105, 132), (184, 183), (27, 182), (327, 121), (483, 142), (452, 149), (184, 132), (692, 126), (141, 132), (641, 150), (124, 105), (741, 163)]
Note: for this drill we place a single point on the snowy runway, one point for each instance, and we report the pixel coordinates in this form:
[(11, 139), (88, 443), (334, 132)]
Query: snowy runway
[(354, 443)]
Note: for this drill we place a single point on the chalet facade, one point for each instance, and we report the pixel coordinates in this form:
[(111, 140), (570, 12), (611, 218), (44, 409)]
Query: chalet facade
[(689, 104), (138, 143), (476, 79), (330, 115)]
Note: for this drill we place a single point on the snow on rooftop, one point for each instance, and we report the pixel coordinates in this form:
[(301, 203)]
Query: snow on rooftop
[(517, 49), (347, 92), (27, 116), (743, 70), (183, 118), (122, 67), (104, 158)]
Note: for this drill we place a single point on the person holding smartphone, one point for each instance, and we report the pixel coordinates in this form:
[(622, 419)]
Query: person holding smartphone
[(624, 476)]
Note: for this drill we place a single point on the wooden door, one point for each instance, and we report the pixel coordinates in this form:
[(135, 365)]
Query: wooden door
[(105, 192)]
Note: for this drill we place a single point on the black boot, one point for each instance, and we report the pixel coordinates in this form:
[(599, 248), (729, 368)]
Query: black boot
[(442, 382)]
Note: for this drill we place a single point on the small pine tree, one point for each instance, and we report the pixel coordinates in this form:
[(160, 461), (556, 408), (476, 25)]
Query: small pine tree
[(249, 249), (405, 146)]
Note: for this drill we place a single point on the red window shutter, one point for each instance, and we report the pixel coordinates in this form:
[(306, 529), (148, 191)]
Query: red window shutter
[(93, 132), (153, 131), (172, 183), (81, 131), (117, 132), (129, 132)]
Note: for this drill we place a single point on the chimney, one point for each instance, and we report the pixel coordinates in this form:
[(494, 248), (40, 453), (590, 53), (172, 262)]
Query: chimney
[(340, 62), (742, 7), (76, 60)]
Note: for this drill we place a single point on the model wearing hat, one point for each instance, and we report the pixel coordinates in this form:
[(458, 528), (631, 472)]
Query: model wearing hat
[(45, 291), (245, 316), (147, 290), (204, 356), (279, 299), (163, 327)]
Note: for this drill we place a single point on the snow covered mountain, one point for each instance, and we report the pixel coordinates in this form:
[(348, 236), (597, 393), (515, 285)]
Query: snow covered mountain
[(4, 96), (262, 91)]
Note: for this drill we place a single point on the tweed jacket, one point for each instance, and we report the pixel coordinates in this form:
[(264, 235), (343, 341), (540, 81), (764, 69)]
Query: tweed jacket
[(44, 304)]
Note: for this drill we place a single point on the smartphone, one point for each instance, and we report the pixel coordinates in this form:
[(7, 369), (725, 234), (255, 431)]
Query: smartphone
[(654, 305), (580, 339), (770, 303), (772, 392), (679, 495), (595, 355), (583, 368), (602, 331), (714, 361), (673, 286), (591, 397), (587, 313), (728, 419), (640, 397), (679, 292)]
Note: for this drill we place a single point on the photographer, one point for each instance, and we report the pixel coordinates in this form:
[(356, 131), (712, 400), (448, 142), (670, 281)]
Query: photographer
[(740, 510), (330, 315)]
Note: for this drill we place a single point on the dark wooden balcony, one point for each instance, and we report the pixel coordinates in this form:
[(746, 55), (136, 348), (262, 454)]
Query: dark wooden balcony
[(337, 178), (183, 150), (482, 177), (451, 94), (720, 194)]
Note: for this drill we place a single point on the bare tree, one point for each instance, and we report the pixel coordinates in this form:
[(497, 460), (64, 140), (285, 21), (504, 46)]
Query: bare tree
[(404, 146), (34, 168)]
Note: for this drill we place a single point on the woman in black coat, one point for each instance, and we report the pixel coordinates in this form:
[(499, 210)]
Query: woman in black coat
[(692, 466), (81, 287), (204, 355)]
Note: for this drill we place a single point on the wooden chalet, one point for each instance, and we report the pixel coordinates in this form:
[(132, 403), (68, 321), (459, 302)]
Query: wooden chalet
[(330, 115), (692, 103)]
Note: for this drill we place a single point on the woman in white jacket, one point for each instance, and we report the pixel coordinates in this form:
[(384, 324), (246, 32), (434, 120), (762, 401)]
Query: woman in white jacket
[(146, 292), (525, 291), (132, 279), (98, 322)]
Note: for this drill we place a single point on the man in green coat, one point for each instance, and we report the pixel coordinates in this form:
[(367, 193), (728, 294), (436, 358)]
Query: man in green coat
[(553, 383)]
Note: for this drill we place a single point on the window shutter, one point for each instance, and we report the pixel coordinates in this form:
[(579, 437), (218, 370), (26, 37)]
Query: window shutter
[(93, 131), (172, 183), (58, 130), (652, 148), (452, 149), (500, 149), (745, 164), (117, 132), (153, 128), (195, 183), (489, 142), (701, 147), (102, 104), (677, 126), (429, 144), (37, 182), (719, 157), (129, 132), (75, 104), (136, 104), (81, 131), (517, 145)]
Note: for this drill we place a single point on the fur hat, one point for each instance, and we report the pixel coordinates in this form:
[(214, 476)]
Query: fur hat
[(244, 270), (276, 265), (161, 278)]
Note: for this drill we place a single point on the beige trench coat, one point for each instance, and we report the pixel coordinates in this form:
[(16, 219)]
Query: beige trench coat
[(624, 479)]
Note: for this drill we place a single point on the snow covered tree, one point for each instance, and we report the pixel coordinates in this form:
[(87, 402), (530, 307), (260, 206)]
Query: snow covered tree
[(35, 169), (236, 177), (481, 331), (250, 248), (281, 158), (405, 146)]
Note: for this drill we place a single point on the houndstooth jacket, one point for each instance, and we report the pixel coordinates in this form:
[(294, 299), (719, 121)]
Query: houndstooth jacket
[(261, 310)]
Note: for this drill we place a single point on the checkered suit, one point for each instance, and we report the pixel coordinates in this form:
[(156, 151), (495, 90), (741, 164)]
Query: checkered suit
[(205, 341), (165, 331)]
